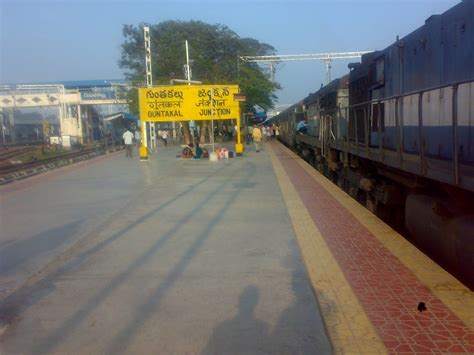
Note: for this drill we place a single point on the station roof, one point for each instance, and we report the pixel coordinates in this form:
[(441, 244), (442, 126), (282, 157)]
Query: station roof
[(124, 115), (79, 84)]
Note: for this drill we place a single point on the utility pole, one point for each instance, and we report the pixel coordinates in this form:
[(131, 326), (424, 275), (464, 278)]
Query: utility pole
[(328, 69), (146, 34), (188, 77), (149, 83), (188, 68), (272, 71)]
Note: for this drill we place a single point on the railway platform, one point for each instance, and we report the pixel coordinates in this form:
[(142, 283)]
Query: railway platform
[(259, 254)]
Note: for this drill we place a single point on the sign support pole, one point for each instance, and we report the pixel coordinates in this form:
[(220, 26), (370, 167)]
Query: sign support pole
[(188, 77), (212, 120), (239, 147)]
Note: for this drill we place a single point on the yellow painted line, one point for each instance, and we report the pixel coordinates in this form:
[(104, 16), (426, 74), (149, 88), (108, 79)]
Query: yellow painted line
[(457, 297), (348, 326)]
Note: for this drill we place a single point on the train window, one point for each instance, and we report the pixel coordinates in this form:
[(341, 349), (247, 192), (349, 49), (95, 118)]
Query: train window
[(380, 71)]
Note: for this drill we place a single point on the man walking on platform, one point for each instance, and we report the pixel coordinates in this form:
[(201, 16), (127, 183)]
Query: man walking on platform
[(257, 137), (128, 140)]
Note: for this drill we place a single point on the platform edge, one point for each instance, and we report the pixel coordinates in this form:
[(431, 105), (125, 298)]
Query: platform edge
[(347, 324)]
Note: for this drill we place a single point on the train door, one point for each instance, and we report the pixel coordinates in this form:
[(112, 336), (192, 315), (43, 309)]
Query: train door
[(465, 122), (376, 123), (437, 130), (325, 133), (410, 124)]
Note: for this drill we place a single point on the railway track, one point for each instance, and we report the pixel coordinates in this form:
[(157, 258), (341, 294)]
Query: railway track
[(8, 153), (10, 173)]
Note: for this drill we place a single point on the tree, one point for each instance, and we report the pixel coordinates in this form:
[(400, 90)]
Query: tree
[(214, 50)]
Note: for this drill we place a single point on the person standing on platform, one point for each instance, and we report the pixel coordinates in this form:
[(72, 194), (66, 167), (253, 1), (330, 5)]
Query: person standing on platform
[(224, 131), (249, 134), (160, 134), (269, 133), (257, 137), (138, 137), (235, 132), (164, 136), (128, 140)]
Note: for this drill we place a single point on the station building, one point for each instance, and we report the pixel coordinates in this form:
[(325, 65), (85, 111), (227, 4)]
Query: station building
[(64, 112)]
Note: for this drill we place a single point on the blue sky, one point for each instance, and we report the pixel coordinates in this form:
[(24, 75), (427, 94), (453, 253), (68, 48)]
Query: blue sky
[(52, 40)]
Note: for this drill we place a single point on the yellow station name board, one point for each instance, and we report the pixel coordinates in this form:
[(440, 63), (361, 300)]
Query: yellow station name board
[(188, 102)]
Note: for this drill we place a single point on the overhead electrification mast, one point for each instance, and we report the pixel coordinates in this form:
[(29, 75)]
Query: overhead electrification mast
[(149, 83), (326, 58)]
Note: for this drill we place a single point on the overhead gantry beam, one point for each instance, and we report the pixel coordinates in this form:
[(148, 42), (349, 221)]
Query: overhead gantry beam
[(327, 58)]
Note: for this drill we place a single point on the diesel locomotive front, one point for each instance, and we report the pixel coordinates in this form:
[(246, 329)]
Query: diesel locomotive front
[(397, 133)]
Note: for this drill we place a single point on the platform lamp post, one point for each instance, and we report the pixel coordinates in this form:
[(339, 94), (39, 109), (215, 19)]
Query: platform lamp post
[(149, 83)]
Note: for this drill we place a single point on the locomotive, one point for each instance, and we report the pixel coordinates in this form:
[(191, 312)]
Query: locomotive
[(397, 133)]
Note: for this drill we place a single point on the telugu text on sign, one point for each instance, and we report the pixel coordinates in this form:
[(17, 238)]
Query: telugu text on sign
[(186, 103)]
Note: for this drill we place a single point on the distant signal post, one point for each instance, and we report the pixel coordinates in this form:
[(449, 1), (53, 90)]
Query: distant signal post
[(191, 103)]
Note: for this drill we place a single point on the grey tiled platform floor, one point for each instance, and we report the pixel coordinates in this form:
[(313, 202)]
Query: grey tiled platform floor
[(160, 257)]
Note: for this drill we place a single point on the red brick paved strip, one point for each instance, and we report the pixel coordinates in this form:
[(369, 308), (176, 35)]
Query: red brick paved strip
[(388, 290)]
